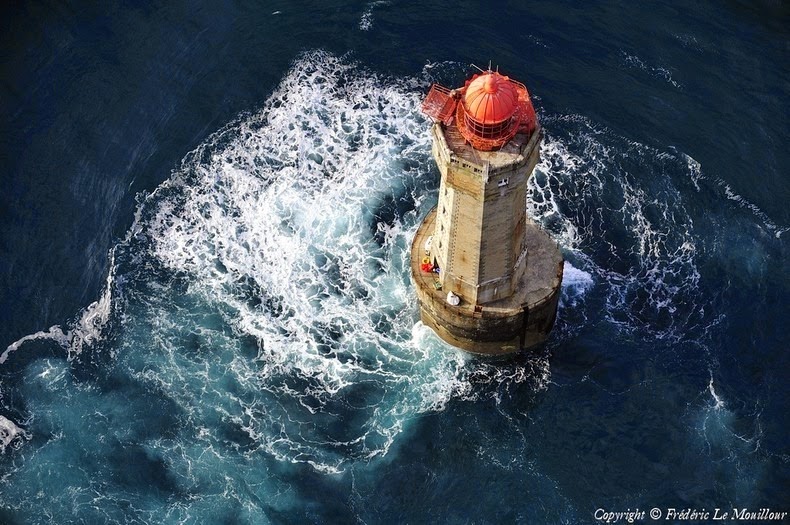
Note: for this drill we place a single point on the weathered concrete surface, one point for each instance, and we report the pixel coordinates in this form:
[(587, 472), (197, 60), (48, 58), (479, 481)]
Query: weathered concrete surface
[(519, 321), (481, 215)]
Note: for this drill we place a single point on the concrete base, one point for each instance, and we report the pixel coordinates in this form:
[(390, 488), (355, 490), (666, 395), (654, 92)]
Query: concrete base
[(518, 322)]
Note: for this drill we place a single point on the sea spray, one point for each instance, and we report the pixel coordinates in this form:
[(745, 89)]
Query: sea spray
[(259, 311)]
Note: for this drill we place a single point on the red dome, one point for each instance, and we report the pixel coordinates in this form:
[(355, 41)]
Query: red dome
[(488, 111), (490, 98)]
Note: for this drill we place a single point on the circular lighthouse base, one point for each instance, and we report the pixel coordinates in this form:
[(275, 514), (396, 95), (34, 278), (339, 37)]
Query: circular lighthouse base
[(518, 322)]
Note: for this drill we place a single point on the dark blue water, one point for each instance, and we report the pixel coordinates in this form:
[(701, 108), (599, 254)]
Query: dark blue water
[(205, 309)]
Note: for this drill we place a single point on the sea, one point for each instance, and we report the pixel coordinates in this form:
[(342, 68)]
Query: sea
[(206, 314)]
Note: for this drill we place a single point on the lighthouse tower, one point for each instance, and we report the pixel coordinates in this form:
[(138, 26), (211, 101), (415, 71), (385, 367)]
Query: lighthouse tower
[(487, 277)]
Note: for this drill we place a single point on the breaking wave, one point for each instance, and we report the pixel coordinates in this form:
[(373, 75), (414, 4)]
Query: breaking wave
[(616, 207), (261, 301)]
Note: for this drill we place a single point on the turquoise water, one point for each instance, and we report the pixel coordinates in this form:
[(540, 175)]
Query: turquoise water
[(224, 331)]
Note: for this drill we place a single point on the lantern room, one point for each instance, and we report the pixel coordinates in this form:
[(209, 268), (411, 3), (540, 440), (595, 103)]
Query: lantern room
[(488, 110)]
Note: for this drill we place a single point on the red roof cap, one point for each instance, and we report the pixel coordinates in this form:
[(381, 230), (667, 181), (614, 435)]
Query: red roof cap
[(490, 98)]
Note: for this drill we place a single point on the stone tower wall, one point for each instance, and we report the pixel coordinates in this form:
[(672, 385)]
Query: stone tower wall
[(479, 241)]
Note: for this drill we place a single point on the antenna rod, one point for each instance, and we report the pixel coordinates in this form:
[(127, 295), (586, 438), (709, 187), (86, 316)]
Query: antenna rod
[(474, 66)]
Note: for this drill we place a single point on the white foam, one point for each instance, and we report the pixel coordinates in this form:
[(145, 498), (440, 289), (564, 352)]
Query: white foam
[(55, 333), (718, 402), (718, 429), (85, 331), (280, 206), (586, 196), (655, 71), (695, 170), (293, 225), (695, 173), (10, 432), (760, 214), (575, 281), (543, 202), (88, 329), (366, 20)]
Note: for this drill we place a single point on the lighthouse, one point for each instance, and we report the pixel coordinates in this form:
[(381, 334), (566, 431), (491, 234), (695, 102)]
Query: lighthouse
[(487, 277)]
